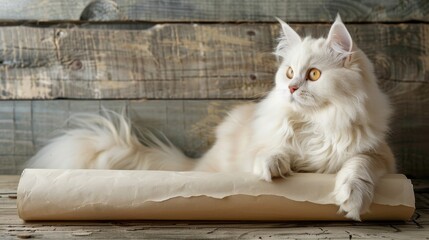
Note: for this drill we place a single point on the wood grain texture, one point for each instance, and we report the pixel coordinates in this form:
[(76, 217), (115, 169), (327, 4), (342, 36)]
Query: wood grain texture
[(214, 11), (12, 227), (174, 61), (189, 124), (166, 61)]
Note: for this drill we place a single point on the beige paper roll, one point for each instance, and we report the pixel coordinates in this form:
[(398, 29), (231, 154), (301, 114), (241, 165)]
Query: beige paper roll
[(49, 194)]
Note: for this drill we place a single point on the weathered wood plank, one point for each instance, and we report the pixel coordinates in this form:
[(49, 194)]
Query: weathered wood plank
[(167, 61), (188, 123), (8, 184), (180, 230), (214, 11), (11, 226), (207, 61)]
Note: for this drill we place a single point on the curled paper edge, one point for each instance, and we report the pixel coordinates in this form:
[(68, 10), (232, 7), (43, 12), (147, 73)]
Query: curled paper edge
[(51, 194)]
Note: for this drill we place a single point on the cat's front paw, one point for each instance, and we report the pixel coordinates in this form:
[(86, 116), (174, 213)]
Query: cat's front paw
[(353, 195), (268, 168)]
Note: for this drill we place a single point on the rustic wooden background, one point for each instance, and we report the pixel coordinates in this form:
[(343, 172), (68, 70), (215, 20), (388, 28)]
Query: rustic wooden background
[(179, 65)]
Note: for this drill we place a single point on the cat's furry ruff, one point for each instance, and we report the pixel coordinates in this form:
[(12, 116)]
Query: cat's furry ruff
[(336, 124)]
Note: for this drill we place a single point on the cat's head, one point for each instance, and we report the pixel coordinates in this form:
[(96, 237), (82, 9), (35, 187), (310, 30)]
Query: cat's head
[(319, 72)]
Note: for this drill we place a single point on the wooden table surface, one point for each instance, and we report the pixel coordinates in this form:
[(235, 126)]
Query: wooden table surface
[(12, 227)]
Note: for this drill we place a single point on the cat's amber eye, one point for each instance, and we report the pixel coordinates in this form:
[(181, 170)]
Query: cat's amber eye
[(289, 73), (314, 74)]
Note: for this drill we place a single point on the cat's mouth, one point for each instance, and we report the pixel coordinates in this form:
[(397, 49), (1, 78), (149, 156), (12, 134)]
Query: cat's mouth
[(294, 99), (301, 98)]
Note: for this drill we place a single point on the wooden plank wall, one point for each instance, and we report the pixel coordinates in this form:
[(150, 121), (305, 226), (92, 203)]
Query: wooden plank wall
[(178, 66)]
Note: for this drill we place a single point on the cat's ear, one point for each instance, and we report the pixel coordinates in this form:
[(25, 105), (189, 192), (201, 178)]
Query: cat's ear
[(339, 38), (288, 37)]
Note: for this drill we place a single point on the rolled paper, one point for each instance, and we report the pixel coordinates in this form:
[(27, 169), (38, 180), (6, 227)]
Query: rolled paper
[(51, 194)]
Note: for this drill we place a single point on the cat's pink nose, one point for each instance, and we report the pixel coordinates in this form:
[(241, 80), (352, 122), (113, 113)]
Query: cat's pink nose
[(293, 88)]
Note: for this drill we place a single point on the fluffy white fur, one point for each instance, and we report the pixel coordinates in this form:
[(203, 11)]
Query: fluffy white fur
[(108, 142), (336, 124)]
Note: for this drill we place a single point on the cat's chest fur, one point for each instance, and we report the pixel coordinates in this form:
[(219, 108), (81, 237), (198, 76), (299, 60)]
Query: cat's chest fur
[(310, 148), (313, 142)]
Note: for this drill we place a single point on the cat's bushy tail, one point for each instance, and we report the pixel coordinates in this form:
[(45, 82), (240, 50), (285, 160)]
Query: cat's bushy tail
[(108, 142)]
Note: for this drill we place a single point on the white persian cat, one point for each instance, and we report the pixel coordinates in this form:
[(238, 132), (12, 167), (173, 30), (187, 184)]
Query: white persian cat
[(326, 114)]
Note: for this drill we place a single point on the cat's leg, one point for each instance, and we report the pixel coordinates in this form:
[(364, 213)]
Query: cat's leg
[(268, 166), (355, 183)]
